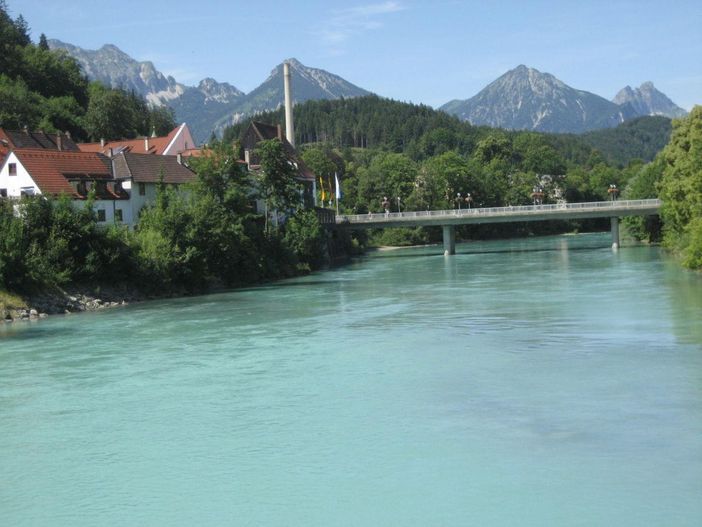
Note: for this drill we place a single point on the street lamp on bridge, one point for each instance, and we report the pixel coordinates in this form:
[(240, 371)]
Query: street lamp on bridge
[(458, 199), (469, 199), (613, 191), (399, 209)]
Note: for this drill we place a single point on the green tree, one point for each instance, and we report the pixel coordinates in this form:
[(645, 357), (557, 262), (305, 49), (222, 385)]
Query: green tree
[(681, 189), (277, 184)]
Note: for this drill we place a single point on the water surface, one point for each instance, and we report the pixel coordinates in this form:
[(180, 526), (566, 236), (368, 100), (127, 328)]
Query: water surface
[(544, 381)]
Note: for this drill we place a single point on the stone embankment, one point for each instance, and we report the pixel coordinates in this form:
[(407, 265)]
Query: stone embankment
[(66, 302)]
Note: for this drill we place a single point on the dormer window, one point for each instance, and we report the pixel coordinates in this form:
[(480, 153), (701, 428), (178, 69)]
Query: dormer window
[(81, 188), (101, 187)]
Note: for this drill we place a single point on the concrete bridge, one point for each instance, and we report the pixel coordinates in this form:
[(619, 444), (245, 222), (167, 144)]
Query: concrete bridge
[(448, 219)]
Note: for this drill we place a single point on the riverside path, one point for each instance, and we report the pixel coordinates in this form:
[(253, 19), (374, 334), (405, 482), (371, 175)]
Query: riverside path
[(448, 219)]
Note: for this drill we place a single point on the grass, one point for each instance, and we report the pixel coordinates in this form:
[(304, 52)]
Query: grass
[(10, 301)]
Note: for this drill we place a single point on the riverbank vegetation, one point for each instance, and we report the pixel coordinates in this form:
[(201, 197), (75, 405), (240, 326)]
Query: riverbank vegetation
[(207, 235), (422, 159)]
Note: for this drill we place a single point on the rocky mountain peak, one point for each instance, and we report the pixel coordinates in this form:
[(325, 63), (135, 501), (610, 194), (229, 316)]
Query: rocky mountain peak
[(646, 100)]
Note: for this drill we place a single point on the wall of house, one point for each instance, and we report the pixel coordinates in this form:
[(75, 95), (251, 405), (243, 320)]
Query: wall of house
[(182, 141), (136, 201), (110, 207), (14, 185)]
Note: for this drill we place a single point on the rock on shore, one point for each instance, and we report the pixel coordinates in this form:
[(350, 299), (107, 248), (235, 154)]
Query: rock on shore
[(70, 301)]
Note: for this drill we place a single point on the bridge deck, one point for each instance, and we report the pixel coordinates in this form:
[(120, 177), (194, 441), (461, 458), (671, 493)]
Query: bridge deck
[(566, 211)]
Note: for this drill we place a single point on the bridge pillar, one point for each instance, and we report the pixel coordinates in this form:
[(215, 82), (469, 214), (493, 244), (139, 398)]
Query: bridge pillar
[(449, 239), (615, 232)]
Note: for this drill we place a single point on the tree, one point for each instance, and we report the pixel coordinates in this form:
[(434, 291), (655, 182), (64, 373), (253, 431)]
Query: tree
[(43, 43), (114, 114), (161, 120), (277, 185), (681, 189)]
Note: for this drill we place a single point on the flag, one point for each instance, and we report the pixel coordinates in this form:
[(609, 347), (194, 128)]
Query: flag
[(321, 185), (338, 188)]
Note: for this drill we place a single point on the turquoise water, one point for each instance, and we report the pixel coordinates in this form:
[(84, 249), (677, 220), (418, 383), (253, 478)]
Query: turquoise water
[(547, 381)]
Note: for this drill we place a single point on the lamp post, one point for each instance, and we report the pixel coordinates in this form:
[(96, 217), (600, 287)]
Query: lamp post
[(458, 198), (468, 199), (613, 191), (399, 209)]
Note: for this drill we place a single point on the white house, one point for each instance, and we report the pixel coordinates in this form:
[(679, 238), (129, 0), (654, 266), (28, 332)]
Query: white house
[(32, 171), (140, 176)]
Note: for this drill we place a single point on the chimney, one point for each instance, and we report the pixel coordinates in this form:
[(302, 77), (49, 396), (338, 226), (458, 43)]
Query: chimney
[(68, 134), (102, 142), (247, 157), (179, 157), (109, 152), (58, 142), (289, 126), (146, 144)]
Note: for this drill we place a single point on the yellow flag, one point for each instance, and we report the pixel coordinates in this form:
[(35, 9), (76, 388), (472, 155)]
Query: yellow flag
[(321, 185)]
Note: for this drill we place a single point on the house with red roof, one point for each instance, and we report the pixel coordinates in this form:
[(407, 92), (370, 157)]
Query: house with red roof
[(176, 142), (122, 185), (43, 172)]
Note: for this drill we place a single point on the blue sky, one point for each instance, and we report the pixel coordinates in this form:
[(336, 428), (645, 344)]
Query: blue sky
[(419, 51)]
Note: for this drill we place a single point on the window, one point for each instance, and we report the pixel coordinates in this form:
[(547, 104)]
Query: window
[(142, 189), (3, 192), (101, 187), (118, 215), (101, 215), (81, 188), (13, 169)]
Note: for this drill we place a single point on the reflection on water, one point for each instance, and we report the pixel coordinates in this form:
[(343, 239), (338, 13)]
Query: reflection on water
[(545, 381)]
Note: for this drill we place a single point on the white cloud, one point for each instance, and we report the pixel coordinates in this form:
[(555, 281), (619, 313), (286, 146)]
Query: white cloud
[(344, 24)]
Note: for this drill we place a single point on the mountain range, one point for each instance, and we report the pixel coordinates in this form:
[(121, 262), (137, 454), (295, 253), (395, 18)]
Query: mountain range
[(521, 99), (211, 105), (527, 99)]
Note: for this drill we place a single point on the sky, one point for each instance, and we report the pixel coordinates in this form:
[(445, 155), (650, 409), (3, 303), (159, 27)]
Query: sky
[(427, 52)]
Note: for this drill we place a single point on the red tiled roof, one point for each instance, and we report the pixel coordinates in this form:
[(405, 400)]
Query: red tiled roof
[(51, 169), (145, 145)]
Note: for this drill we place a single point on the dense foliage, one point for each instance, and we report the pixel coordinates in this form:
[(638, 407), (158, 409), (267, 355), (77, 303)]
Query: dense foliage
[(46, 90), (208, 234), (681, 189)]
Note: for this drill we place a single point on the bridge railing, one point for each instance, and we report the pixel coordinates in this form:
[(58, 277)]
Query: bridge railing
[(502, 211)]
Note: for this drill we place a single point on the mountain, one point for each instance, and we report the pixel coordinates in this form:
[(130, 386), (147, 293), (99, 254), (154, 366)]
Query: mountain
[(526, 99), (647, 100), (210, 106), (114, 68), (307, 84)]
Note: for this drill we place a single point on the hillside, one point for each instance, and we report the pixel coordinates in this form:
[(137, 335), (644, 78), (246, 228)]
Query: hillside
[(421, 132)]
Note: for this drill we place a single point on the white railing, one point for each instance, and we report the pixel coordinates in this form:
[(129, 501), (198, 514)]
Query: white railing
[(621, 205)]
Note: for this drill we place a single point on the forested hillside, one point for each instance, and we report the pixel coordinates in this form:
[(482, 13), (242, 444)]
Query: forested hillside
[(45, 90), (426, 158), (420, 132)]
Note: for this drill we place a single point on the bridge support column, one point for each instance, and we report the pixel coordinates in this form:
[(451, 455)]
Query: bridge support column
[(615, 232), (449, 239)]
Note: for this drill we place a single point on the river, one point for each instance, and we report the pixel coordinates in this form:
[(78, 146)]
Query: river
[(543, 381)]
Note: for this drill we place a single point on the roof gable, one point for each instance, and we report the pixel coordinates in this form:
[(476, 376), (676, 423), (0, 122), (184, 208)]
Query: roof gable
[(146, 145)]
